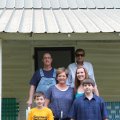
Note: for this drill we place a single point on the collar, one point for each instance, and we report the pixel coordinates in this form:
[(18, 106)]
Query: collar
[(77, 64), (85, 98)]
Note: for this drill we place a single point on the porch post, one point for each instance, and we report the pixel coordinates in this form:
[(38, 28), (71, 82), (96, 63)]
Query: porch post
[(0, 78)]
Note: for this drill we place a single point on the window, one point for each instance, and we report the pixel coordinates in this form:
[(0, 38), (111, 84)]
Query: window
[(62, 56)]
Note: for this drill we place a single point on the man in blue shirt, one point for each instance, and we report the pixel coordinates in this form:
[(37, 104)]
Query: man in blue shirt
[(43, 78), (88, 106)]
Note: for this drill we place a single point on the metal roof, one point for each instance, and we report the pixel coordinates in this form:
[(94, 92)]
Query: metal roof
[(59, 4), (64, 16)]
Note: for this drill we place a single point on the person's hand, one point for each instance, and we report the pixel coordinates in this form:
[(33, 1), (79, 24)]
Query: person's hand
[(29, 102)]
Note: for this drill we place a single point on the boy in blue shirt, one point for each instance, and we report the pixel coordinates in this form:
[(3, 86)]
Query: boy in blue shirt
[(88, 106)]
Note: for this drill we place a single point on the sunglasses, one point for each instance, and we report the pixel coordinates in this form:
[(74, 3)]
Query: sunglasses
[(78, 55)]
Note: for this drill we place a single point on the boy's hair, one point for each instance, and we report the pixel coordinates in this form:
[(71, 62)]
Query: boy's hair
[(88, 81), (39, 94)]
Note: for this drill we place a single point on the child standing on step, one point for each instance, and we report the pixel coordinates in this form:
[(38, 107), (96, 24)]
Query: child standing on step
[(40, 112)]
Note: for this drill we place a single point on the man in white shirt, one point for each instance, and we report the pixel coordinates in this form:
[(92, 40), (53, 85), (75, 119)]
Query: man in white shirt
[(79, 55)]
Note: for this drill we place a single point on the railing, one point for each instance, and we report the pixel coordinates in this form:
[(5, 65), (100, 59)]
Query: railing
[(113, 109), (10, 109)]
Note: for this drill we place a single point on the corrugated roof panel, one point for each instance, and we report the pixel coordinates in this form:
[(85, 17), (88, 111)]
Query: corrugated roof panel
[(99, 4), (113, 14), (72, 4), (81, 4), (19, 3), (4, 19), (60, 4), (26, 21), (89, 25), (46, 3), (98, 21), (62, 22), (90, 4), (10, 3), (55, 4), (28, 3), (38, 22), (2, 3), (50, 22), (110, 21), (116, 3), (37, 4), (76, 25), (63, 3), (107, 3), (1, 12), (59, 20), (14, 22)]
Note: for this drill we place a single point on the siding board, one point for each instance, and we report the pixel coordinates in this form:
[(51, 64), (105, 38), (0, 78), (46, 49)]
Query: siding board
[(18, 67)]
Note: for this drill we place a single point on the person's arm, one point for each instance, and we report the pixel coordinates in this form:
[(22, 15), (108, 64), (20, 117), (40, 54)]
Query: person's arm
[(96, 90), (91, 72), (31, 93), (33, 84), (48, 96), (91, 75), (104, 112), (47, 101)]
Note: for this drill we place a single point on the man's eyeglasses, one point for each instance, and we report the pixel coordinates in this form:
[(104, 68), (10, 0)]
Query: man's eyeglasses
[(78, 55)]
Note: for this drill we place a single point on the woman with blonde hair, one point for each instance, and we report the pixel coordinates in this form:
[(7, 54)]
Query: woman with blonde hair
[(59, 97)]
